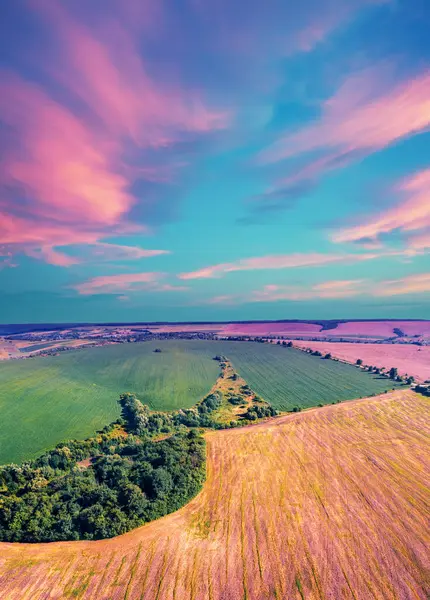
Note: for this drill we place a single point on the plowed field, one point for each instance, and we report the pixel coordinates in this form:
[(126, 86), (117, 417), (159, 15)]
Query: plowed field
[(332, 503), (407, 358)]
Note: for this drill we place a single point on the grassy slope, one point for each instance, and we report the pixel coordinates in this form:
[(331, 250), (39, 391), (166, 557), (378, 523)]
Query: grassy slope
[(330, 503), (286, 377), (46, 400)]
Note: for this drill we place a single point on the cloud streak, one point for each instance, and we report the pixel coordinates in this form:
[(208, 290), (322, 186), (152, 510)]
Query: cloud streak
[(332, 290), (357, 119), (126, 282), (412, 213), (413, 284), (365, 115), (284, 261), (76, 145), (94, 252)]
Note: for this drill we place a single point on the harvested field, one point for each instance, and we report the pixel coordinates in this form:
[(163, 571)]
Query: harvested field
[(328, 504), (383, 329), (408, 358), (258, 329), (8, 349)]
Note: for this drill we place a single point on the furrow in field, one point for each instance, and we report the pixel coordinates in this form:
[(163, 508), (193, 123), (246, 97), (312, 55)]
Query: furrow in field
[(328, 504)]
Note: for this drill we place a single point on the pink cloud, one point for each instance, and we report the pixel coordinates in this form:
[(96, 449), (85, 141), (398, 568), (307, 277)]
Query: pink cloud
[(126, 282), (412, 213), (327, 290), (95, 252), (51, 256), (413, 284), (332, 290), (362, 117), (366, 114), (284, 261), (419, 241), (108, 284), (74, 153), (106, 70), (223, 299), (112, 252)]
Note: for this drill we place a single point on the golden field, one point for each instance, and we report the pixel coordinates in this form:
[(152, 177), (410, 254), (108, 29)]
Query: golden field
[(331, 503)]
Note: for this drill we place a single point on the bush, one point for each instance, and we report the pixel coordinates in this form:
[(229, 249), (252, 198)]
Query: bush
[(393, 373), (235, 400), (259, 412)]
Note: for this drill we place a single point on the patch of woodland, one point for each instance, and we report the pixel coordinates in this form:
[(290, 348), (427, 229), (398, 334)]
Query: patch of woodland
[(137, 469), (129, 481)]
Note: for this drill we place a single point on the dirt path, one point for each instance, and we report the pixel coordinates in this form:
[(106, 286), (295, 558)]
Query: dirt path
[(331, 503)]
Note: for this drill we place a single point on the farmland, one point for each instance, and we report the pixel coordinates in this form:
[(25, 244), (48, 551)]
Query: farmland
[(407, 358), (286, 377), (51, 399), (47, 400), (330, 503)]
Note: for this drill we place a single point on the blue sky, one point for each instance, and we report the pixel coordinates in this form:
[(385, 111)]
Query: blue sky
[(193, 160)]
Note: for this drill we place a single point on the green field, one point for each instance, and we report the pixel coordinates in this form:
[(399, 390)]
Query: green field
[(286, 377), (45, 400)]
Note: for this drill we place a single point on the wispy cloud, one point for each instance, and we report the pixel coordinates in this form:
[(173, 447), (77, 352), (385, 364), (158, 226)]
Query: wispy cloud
[(327, 290), (278, 26), (285, 261), (332, 290), (76, 145), (126, 282), (410, 213), (413, 284), (365, 115), (93, 252), (7, 263), (419, 241)]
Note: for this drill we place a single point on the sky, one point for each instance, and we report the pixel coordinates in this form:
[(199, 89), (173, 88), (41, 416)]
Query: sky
[(197, 160)]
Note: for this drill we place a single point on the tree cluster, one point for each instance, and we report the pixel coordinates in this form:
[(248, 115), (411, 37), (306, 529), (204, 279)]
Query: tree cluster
[(132, 477), (423, 389), (129, 482), (259, 412), (141, 421)]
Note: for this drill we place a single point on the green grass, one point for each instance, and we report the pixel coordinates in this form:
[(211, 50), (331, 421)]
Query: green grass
[(286, 377), (47, 400)]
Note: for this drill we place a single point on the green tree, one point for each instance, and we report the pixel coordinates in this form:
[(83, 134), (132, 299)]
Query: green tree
[(393, 373)]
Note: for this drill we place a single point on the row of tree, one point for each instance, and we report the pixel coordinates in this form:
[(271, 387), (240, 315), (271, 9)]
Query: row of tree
[(392, 373)]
